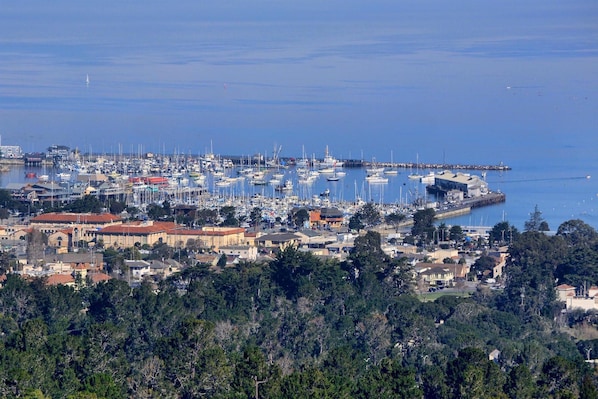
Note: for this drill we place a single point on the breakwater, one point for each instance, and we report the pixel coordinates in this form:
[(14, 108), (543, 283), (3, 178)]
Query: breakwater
[(355, 163)]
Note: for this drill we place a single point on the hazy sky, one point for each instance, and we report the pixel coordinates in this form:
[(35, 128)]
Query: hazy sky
[(465, 81)]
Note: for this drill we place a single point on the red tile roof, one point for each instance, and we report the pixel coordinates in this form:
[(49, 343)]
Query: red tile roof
[(85, 218), (99, 277), (138, 228), (56, 279)]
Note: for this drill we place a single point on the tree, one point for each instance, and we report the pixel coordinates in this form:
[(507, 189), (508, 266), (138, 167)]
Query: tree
[(536, 222), (255, 217), (36, 245), (117, 207), (577, 233), (533, 259), (369, 215), (443, 232), (300, 217), (520, 383), (503, 233), (559, 378), (484, 266), (395, 219), (206, 217), (456, 233), (423, 224), (228, 214), (472, 375), (355, 222)]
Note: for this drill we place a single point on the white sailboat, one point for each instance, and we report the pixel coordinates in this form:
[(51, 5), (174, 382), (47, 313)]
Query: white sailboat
[(416, 175), (392, 171)]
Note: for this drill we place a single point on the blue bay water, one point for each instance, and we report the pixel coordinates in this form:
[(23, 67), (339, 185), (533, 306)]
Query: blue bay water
[(467, 83)]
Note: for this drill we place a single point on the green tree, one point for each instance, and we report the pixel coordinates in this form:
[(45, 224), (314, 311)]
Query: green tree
[(355, 222), (483, 266), (456, 233), (472, 375), (255, 217), (503, 233), (292, 271), (520, 383), (577, 233), (36, 245), (116, 207), (228, 214), (423, 224), (369, 215), (443, 232), (536, 222), (559, 378), (300, 217), (389, 380), (206, 217), (533, 259), (395, 219)]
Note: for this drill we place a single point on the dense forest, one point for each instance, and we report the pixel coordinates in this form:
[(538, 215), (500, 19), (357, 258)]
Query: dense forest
[(305, 327)]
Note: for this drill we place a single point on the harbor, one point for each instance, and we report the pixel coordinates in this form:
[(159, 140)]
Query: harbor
[(275, 185)]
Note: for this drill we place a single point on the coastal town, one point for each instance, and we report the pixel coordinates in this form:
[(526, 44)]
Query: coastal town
[(238, 228), (190, 185)]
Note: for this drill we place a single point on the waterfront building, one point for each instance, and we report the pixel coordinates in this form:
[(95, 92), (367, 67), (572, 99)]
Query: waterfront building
[(11, 151), (470, 185)]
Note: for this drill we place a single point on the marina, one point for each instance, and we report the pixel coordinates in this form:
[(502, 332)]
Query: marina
[(276, 185)]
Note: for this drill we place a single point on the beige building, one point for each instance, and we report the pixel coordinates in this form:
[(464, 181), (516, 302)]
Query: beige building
[(81, 225), (135, 233), (208, 237)]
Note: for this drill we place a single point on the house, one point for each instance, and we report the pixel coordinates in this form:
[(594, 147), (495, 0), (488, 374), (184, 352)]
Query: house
[(138, 268), (326, 218), (564, 291), (436, 274), (244, 252), (278, 240), (162, 269), (61, 279), (315, 239), (208, 259), (587, 301)]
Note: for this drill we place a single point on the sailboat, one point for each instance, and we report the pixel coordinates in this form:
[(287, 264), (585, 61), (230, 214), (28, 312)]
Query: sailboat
[(87, 80), (416, 175), (392, 171)]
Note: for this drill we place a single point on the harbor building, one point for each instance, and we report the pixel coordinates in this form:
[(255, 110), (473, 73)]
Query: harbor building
[(11, 151), (469, 185)]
